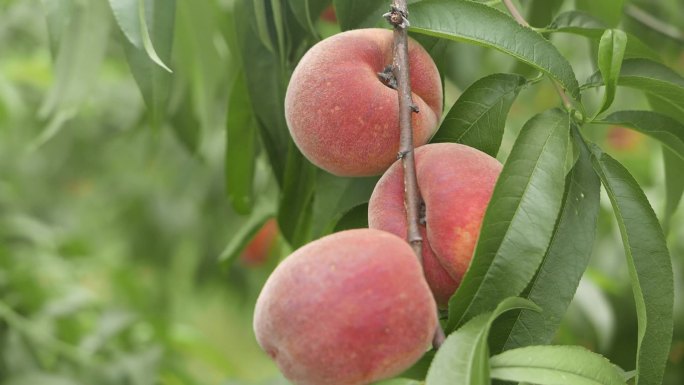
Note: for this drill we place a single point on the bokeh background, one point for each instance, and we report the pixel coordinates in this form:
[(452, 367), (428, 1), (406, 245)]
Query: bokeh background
[(111, 230)]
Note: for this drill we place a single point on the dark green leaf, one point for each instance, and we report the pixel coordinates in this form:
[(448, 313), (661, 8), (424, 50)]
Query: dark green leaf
[(519, 220), (649, 265), (584, 24), (356, 218), (307, 12), (295, 208), (541, 12), (266, 83), (564, 263), (463, 358), (555, 365), (241, 131), (648, 76), (478, 117), (153, 80), (334, 197), (658, 126), (472, 22), (353, 14), (611, 52)]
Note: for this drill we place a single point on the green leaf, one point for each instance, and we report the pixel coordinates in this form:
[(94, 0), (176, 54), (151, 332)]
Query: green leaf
[(674, 185), (472, 23), (355, 218), (608, 11), (555, 365), (153, 79), (354, 14), (398, 381), (131, 16), (478, 117), (334, 197), (519, 220), (295, 207), (58, 15), (611, 52), (565, 261), (649, 266), (83, 44), (307, 11), (648, 76), (241, 131), (584, 24), (658, 126), (200, 56), (264, 209), (463, 357), (266, 85)]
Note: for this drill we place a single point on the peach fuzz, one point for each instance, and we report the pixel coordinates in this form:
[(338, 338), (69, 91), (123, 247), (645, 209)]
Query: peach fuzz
[(348, 309), (342, 117), (456, 183)]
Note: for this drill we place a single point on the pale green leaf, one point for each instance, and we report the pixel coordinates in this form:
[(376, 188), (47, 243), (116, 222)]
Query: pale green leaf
[(555, 365)]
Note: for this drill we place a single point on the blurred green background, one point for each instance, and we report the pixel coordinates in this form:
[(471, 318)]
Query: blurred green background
[(110, 230)]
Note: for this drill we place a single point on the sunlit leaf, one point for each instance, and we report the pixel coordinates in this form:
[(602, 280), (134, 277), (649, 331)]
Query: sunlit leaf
[(555, 365), (464, 356)]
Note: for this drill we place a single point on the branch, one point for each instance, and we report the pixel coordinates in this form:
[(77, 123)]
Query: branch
[(515, 13), (654, 23), (398, 17)]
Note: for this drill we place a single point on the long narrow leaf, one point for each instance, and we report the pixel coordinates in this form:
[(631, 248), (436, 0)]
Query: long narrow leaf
[(649, 265), (564, 263), (519, 221)]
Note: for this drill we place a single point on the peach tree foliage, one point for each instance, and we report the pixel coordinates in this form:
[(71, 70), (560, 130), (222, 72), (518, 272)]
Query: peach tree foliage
[(537, 235)]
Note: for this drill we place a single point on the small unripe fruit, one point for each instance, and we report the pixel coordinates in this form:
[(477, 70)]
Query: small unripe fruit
[(456, 183), (347, 309), (257, 250), (342, 117)]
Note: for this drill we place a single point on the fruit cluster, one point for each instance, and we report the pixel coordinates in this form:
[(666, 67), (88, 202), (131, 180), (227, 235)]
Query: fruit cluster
[(356, 306)]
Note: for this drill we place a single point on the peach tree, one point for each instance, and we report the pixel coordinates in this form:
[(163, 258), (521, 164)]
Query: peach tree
[(536, 234)]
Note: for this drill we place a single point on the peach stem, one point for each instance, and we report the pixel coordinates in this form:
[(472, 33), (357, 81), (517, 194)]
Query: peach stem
[(398, 18)]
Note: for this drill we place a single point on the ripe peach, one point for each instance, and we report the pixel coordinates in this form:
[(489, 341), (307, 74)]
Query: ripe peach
[(456, 183), (256, 252), (347, 309), (340, 114)]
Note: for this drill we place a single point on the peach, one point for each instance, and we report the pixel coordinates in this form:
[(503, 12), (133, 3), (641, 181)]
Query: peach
[(342, 117), (456, 183), (348, 309), (257, 250)]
